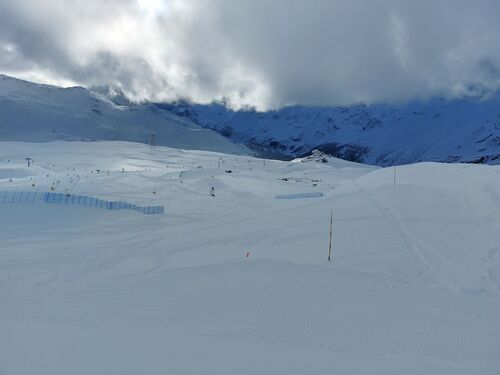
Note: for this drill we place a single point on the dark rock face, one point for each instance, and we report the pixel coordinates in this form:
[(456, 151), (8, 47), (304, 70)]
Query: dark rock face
[(350, 152)]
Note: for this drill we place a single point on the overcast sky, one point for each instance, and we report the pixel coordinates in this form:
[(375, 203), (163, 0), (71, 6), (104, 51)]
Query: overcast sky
[(263, 53)]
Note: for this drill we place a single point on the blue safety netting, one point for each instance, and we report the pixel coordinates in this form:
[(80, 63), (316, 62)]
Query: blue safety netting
[(78, 200), (299, 195)]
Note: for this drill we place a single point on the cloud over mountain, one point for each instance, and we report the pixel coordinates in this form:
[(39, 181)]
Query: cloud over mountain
[(257, 52)]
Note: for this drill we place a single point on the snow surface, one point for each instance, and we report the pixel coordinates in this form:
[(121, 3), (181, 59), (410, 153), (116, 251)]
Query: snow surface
[(413, 287)]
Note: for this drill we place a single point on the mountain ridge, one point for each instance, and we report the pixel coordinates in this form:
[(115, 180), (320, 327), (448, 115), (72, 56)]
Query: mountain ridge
[(38, 113), (460, 130)]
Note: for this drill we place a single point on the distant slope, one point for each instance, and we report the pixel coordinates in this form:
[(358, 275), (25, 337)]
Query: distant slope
[(465, 130), (39, 113)]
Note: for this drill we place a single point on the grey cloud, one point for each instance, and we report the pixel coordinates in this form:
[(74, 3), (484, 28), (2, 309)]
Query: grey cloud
[(266, 53)]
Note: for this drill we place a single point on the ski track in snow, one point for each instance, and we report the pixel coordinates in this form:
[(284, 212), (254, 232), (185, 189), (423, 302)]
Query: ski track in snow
[(445, 271)]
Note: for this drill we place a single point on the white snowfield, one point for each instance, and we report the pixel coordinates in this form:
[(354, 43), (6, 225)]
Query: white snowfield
[(239, 283)]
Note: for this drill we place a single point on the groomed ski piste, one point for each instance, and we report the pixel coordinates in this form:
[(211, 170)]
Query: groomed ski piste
[(239, 282)]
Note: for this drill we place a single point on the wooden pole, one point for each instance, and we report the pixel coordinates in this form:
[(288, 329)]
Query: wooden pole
[(331, 229)]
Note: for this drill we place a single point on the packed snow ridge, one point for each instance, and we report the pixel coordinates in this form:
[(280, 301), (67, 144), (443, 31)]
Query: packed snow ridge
[(231, 280)]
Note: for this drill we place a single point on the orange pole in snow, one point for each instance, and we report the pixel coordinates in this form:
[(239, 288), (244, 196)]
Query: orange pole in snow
[(330, 245)]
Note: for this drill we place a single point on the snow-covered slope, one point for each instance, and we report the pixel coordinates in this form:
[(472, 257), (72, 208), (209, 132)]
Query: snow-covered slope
[(239, 283), (39, 113), (466, 130)]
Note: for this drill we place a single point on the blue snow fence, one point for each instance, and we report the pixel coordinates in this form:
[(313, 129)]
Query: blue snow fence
[(77, 200), (299, 195)]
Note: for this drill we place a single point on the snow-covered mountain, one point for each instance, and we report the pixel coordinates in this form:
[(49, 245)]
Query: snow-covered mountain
[(38, 113), (466, 130)]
